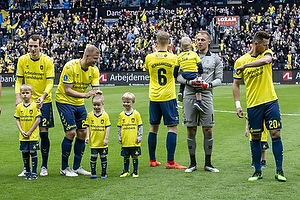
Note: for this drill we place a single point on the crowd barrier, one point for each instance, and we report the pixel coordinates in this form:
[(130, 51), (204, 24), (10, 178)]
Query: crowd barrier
[(143, 78)]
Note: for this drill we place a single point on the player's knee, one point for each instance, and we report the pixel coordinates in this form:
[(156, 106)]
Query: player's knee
[(70, 134), (81, 133), (207, 130), (192, 130), (173, 128), (275, 133), (102, 156), (95, 155)]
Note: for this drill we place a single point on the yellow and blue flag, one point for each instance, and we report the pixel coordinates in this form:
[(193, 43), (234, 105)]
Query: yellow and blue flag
[(3, 15)]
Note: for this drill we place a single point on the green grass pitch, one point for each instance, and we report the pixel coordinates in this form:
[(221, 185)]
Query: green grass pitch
[(231, 155)]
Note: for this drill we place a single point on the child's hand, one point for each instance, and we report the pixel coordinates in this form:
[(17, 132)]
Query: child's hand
[(28, 134), (246, 133), (105, 142), (24, 134), (87, 140), (138, 141), (120, 141)]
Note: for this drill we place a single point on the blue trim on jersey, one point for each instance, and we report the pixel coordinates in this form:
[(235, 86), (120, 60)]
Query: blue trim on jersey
[(50, 78), (20, 76), (269, 112), (72, 117), (47, 119), (34, 60), (166, 109), (85, 70)]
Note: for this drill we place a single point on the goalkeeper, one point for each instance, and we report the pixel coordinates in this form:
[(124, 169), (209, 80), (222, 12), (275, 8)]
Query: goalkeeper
[(213, 75)]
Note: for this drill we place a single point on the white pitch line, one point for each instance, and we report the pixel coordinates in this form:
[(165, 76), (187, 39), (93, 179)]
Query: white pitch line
[(225, 111)]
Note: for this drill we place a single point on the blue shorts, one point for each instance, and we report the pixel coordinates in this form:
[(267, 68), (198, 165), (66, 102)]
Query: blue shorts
[(29, 145), (167, 109), (72, 117), (131, 151), (269, 112), (101, 151), (190, 75), (47, 116), (264, 146)]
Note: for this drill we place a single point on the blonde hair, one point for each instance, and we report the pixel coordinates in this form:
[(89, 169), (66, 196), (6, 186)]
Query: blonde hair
[(98, 96), (89, 50), (129, 96), (26, 87), (186, 43), (163, 37)]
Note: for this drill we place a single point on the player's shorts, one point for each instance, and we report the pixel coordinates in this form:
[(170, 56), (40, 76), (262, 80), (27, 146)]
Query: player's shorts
[(190, 75), (264, 146), (131, 151), (269, 112), (47, 120), (192, 117), (72, 117), (101, 151), (29, 145), (167, 109)]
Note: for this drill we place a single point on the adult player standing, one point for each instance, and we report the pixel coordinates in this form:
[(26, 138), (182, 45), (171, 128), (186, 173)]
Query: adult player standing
[(213, 75), (160, 66), (37, 69), (76, 76), (255, 67)]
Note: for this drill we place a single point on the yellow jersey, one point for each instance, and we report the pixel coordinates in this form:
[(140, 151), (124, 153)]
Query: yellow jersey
[(187, 61), (80, 79), (129, 128), (27, 115), (160, 66), (36, 73), (258, 80), (97, 126)]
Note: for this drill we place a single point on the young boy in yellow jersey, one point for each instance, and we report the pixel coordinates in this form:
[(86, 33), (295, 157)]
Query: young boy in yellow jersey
[(98, 127), (130, 132), (28, 117), (264, 144), (191, 66)]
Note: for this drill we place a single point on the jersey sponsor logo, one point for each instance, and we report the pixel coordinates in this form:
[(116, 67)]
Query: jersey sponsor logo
[(287, 76), (103, 78), (41, 67)]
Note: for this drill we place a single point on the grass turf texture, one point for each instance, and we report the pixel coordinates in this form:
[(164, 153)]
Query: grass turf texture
[(231, 155)]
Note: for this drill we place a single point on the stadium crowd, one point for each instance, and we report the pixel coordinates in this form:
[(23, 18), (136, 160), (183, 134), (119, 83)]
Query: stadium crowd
[(125, 44)]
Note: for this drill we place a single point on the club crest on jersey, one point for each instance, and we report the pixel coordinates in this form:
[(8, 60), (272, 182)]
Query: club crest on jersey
[(30, 111), (27, 66), (77, 75), (90, 77), (92, 121), (165, 55), (102, 121), (132, 120), (65, 78), (41, 67)]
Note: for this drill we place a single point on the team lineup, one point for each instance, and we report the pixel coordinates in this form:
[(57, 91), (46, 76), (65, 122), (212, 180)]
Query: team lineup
[(198, 72)]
